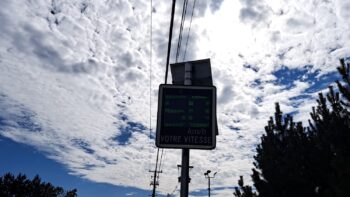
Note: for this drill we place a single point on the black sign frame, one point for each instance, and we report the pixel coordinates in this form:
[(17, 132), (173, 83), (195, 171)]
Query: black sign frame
[(199, 136)]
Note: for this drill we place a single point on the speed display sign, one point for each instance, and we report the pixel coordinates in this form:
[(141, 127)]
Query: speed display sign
[(186, 117)]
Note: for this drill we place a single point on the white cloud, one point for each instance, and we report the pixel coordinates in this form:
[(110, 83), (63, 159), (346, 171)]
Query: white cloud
[(79, 72)]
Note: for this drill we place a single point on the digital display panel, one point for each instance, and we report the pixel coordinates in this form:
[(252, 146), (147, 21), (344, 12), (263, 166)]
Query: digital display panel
[(186, 117)]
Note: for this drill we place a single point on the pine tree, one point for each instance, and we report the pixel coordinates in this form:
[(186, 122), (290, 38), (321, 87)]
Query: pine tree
[(315, 161), (21, 186), (330, 132), (344, 71), (243, 190), (281, 167)]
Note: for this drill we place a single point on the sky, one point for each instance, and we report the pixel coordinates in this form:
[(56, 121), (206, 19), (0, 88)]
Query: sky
[(79, 84)]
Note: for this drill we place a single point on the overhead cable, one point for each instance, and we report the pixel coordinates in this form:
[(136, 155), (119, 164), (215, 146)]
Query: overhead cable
[(165, 81), (169, 41), (161, 160), (189, 29), (184, 10)]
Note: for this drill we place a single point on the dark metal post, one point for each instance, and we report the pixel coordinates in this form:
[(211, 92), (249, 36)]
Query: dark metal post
[(185, 172), (186, 152), (209, 186), (207, 175)]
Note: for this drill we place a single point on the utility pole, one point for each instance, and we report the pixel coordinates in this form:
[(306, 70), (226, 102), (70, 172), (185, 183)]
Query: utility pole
[(185, 163), (156, 172), (206, 174), (155, 182)]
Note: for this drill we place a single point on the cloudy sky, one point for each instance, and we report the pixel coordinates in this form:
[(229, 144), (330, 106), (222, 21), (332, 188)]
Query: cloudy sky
[(79, 82)]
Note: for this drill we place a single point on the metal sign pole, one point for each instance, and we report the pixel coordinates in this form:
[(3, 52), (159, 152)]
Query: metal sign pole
[(185, 172), (186, 152), (208, 186)]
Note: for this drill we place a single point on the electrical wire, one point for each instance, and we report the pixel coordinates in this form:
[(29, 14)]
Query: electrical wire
[(150, 72), (150, 97), (156, 171), (167, 63), (160, 161), (150, 80), (177, 185), (160, 164), (183, 17), (162, 158), (169, 41), (189, 29), (172, 193)]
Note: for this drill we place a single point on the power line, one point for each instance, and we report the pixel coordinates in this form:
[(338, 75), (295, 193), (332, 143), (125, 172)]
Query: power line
[(155, 182), (150, 96), (183, 17), (167, 64), (156, 171), (169, 41), (161, 159), (150, 73), (172, 193), (189, 29), (150, 83), (177, 185)]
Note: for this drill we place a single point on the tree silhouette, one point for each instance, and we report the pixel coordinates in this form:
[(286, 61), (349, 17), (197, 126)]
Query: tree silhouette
[(315, 161), (281, 163), (330, 132), (20, 186), (242, 190)]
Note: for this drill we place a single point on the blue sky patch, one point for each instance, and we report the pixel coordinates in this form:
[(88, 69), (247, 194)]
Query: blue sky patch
[(83, 145), (286, 76), (233, 128), (256, 83), (21, 118), (128, 130), (25, 120), (301, 97), (107, 161), (204, 192), (298, 100), (25, 159), (323, 82)]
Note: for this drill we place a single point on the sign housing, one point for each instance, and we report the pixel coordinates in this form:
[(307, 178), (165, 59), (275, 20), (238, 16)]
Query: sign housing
[(201, 76), (186, 117)]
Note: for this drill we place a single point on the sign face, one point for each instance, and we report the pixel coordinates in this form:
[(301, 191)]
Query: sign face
[(186, 117)]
